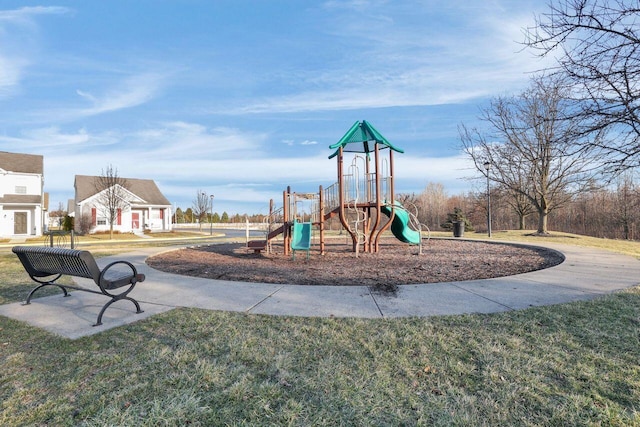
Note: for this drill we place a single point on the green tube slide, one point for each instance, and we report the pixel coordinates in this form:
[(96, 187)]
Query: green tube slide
[(301, 237), (400, 225)]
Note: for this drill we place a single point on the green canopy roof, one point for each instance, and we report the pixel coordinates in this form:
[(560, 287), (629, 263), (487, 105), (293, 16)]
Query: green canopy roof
[(361, 138)]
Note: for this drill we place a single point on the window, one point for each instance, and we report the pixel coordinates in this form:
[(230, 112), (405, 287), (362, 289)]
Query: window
[(21, 189), (102, 221)]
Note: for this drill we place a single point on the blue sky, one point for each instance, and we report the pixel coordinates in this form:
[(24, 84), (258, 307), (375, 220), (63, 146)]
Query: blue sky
[(242, 98)]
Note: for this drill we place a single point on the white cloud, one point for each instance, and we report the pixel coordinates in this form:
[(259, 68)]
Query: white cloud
[(384, 96), (87, 96), (402, 55), (131, 92), (52, 137), (45, 140), (433, 169), (192, 141), (24, 15), (228, 192), (180, 144), (10, 73), (354, 5), (18, 43)]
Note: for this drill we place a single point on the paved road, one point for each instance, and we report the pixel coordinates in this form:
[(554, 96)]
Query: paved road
[(204, 237), (586, 273), (224, 232)]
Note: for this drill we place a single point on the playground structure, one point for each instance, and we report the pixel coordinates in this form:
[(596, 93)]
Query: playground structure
[(363, 193)]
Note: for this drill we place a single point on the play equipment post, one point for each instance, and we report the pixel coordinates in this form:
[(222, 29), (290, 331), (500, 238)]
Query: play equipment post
[(321, 218)]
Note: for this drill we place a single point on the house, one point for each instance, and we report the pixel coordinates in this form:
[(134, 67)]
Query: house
[(22, 198), (143, 207)]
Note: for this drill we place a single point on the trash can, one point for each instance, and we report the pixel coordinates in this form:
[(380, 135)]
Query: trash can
[(458, 228)]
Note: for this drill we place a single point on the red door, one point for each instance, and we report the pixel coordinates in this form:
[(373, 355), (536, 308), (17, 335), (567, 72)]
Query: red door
[(135, 220)]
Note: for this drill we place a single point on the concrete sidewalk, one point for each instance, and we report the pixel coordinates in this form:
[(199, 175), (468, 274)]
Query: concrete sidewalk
[(586, 273)]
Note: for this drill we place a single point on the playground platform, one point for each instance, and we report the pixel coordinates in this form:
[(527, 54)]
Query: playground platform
[(586, 273)]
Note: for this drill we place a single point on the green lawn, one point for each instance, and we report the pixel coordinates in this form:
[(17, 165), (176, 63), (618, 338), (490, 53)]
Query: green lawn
[(572, 364)]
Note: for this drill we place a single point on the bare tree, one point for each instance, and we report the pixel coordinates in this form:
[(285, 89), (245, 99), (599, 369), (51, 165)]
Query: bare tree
[(521, 205), (84, 223), (520, 183), (201, 207), (531, 149), (111, 190), (597, 45), (625, 205), (432, 205)]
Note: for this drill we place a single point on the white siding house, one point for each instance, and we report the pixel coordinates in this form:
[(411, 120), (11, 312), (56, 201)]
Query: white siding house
[(144, 207), (22, 198)]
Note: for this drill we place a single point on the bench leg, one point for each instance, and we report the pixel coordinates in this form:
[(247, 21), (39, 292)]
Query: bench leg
[(28, 301), (104, 308)]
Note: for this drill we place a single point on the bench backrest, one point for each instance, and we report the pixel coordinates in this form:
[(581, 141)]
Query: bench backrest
[(46, 261)]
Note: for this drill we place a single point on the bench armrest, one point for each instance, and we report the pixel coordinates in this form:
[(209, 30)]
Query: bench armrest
[(118, 274)]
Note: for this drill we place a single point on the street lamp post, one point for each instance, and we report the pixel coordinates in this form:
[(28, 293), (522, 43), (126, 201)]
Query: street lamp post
[(487, 166), (211, 217), (202, 201)]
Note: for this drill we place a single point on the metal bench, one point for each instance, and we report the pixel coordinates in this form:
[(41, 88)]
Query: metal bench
[(46, 265)]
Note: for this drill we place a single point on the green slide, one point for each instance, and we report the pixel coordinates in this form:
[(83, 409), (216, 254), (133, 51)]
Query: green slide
[(400, 225), (301, 239)]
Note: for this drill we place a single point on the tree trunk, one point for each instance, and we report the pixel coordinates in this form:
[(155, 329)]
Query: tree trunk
[(522, 222), (625, 228), (542, 221)]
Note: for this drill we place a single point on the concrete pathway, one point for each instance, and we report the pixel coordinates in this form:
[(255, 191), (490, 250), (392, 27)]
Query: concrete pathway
[(586, 273)]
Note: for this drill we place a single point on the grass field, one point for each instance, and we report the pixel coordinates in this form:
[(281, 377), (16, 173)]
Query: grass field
[(567, 365), (626, 247)]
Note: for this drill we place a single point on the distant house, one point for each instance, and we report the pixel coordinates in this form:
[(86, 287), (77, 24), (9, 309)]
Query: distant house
[(22, 198), (144, 207)]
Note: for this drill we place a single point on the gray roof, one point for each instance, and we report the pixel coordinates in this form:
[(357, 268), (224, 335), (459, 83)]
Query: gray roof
[(23, 163), (146, 189)]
